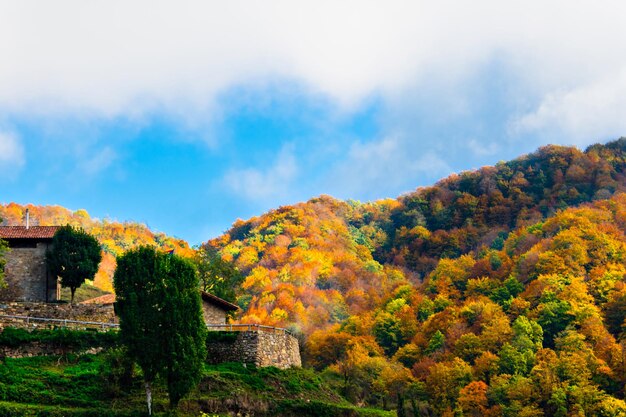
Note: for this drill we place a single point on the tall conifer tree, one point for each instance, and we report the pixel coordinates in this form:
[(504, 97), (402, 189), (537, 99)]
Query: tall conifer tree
[(161, 324)]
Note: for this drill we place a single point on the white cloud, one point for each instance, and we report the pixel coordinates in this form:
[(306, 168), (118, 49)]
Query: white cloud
[(113, 57), (586, 113), (482, 149), (386, 165), (263, 185), (11, 154), (99, 161)]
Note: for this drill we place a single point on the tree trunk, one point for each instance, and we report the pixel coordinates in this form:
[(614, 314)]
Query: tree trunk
[(73, 291), (149, 397)]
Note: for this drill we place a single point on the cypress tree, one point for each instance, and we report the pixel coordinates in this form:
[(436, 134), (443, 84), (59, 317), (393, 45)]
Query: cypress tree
[(161, 323)]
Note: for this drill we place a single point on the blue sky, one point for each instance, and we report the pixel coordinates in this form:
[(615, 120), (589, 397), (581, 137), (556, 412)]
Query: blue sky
[(188, 115)]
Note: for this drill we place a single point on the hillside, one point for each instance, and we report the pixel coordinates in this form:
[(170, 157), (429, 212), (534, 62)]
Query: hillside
[(494, 292), (115, 237), (99, 385), (315, 263), (487, 284)]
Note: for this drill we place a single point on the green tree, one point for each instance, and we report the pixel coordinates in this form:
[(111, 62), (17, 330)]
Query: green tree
[(217, 276), (554, 316), (388, 333), (161, 324), (436, 342), (74, 257), (185, 330)]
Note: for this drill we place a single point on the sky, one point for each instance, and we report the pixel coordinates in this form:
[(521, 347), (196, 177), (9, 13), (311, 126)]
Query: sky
[(186, 115)]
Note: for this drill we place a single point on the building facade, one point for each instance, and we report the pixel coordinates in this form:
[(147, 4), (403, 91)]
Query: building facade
[(26, 273), (214, 309)]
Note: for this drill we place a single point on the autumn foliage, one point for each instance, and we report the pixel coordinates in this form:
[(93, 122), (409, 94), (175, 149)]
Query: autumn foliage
[(114, 237), (496, 292)]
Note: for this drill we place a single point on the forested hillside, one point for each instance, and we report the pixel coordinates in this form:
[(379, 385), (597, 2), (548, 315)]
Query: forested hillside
[(115, 237), (494, 291)]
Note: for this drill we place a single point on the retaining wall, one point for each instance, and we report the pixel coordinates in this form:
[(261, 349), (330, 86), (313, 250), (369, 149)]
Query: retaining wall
[(256, 347), (80, 312), (42, 349), (261, 348)]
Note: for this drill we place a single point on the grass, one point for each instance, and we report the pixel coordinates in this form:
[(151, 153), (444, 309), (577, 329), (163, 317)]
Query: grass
[(100, 385), (84, 292)]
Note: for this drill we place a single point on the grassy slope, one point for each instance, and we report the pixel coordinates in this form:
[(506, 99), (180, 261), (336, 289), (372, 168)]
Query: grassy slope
[(90, 385), (84, 292)]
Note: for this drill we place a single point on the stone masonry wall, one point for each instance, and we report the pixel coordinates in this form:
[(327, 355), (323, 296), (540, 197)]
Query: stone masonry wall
[(212, 314), (25, 274), (252, 347), (257, 347), (81, 312), (40, 349), (279, 350)]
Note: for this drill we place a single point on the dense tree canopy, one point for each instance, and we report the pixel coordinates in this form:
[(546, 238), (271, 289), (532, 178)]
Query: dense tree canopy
[(495, 292), (495, 295), (217, 276), (73, 257)]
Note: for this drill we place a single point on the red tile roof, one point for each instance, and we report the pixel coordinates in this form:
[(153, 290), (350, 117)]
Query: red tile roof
[(218, 301), (110, 299), (33, 232)]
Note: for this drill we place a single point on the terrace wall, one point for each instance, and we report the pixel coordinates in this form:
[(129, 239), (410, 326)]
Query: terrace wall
[(81, 312), (260, 348)]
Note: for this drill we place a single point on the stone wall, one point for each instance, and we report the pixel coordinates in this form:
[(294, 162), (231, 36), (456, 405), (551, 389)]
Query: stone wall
[(80, 312), (41, 349), (256, 347), (25, 275), (280, 350), (261, 348), (213, 314)]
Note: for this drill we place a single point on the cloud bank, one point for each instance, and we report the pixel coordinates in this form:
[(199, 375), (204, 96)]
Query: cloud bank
[(111, 58), (425, 62)]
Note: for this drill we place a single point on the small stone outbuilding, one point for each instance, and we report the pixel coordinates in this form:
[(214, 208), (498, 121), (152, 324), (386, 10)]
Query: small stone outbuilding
[(26, 272), (214, 309)]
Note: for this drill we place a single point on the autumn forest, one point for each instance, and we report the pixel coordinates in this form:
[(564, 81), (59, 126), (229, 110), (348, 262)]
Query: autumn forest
[(494, 292)]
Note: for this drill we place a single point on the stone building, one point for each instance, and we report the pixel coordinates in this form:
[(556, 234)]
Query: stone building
[(214, 309), (26, 273)]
